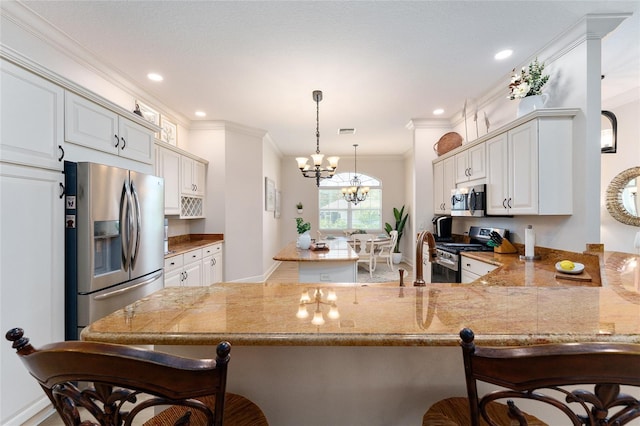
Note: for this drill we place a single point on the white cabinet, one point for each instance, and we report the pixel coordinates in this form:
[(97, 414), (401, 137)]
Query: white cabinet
[(472, 269), (91, 125), (470, 164), (443, 183), (192, 180), (529, 169), (32, 117), (168, 167), (184, 269), (212, 264), (32, 276)]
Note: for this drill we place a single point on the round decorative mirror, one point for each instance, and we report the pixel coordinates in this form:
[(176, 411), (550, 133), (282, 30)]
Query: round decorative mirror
[(622, 197)]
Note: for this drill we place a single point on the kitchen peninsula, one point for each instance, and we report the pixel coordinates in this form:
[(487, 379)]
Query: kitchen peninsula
[(393, 350), (337, 263)]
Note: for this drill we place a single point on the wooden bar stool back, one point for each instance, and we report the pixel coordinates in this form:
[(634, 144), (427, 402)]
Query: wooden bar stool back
[(108, 384), (550, 374)]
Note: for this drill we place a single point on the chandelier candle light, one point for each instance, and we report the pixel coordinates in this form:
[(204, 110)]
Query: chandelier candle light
[(318, 317), (316, 171), (355, 193)]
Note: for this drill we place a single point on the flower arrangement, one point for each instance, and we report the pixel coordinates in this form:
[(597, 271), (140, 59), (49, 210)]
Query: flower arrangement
[(528, 82), (302, 225)]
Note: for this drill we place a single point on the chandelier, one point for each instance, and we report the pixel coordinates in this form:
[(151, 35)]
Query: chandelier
[(316, 171), (355, 193), (318, 317)]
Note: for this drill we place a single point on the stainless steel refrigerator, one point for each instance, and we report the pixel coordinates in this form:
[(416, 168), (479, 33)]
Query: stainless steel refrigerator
[(114, 230)]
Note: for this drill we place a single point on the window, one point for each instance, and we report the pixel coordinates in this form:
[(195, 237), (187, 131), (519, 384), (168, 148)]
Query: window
[(337, 214)]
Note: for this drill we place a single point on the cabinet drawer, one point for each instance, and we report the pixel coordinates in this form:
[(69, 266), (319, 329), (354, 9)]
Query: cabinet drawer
[(212, 249), (475, 266), (173, 262), (192, 256)]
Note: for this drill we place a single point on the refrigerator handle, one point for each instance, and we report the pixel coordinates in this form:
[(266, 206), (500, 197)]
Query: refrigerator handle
[(149, 280), (130, 226), (124, 226), (138, 224)]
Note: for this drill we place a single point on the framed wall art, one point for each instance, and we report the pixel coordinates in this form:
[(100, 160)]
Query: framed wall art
[(148, 113), (269, 195), (276, 213), (169, 133)]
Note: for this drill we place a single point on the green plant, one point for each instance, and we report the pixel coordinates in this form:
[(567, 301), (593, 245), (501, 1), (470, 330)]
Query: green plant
[(401, 221), (302, 225), (528, 82), (299, 205)]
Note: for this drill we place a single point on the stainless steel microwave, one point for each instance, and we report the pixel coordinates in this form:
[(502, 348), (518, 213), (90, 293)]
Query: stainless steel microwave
[(468, 201)]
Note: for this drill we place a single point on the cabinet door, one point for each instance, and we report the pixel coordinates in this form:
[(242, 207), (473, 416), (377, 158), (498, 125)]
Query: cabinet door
[(449, 183), (208, 271), (523, 173), (199, 170), (173, 278), (476, 162), (193, 277), (461, 167), (497, 174), (88, 124), (219, 268), (186, 176), (136, 142), (32, 274), (438, 185), (32, 116), (169, 166)]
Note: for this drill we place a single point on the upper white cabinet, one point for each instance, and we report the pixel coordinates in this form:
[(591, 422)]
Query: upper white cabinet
[(470, 164), (529, 168), (32, 116), (91, 125), (184, 181), (168, 167), (443, 183), (193, 177)]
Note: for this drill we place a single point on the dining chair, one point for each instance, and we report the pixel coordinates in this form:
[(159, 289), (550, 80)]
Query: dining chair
[(364, 248), (554, 376), (117, 384), (384, 251)]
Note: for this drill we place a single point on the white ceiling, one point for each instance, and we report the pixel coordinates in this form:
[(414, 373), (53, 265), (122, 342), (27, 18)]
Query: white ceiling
[(379, 64)]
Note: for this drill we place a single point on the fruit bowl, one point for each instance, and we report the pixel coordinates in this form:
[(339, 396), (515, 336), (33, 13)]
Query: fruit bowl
[(577, 268)]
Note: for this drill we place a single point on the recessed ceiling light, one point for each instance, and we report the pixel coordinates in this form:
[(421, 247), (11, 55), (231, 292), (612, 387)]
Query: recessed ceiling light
[(438, 111), (154, 77), (503, 54), (201, 114)]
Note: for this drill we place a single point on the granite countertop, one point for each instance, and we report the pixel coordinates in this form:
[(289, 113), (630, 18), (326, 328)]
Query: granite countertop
[(514, 311), (339, 250), (184, 243)]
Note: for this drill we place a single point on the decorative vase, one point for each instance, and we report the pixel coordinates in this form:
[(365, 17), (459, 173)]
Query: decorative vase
[(396, 258), (532, 103), (304, 241)]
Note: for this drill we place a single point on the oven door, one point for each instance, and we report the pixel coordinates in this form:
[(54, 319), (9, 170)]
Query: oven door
[(442, 272)]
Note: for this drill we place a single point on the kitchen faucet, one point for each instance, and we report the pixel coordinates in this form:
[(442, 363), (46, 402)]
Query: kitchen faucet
[(431, 241)]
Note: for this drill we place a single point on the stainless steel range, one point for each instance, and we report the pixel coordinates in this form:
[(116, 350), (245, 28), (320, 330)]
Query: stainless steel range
[(446, 268)]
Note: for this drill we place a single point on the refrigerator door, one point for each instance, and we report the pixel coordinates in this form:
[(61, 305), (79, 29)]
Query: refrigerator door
[(147, 239), (101, 226)]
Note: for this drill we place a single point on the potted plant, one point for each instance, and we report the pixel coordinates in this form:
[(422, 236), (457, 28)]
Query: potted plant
[(299, 207), (527, 86), (401, 220), (304, 238)]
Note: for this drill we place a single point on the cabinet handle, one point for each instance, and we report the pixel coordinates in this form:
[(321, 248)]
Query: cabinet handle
[(124, 143), (172, 263), (61, 152), (186, 275), (117, 140), (509, 202), (213, 262), (504, 203), (62, 190), (194, 256)]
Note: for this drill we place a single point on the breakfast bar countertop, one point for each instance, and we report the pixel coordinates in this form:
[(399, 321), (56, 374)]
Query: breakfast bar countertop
[(338, 250), (258, 314)]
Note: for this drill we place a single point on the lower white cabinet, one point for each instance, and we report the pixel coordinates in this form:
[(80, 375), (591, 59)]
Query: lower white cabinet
[(472, 269), (212, 264), (199, 267)]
